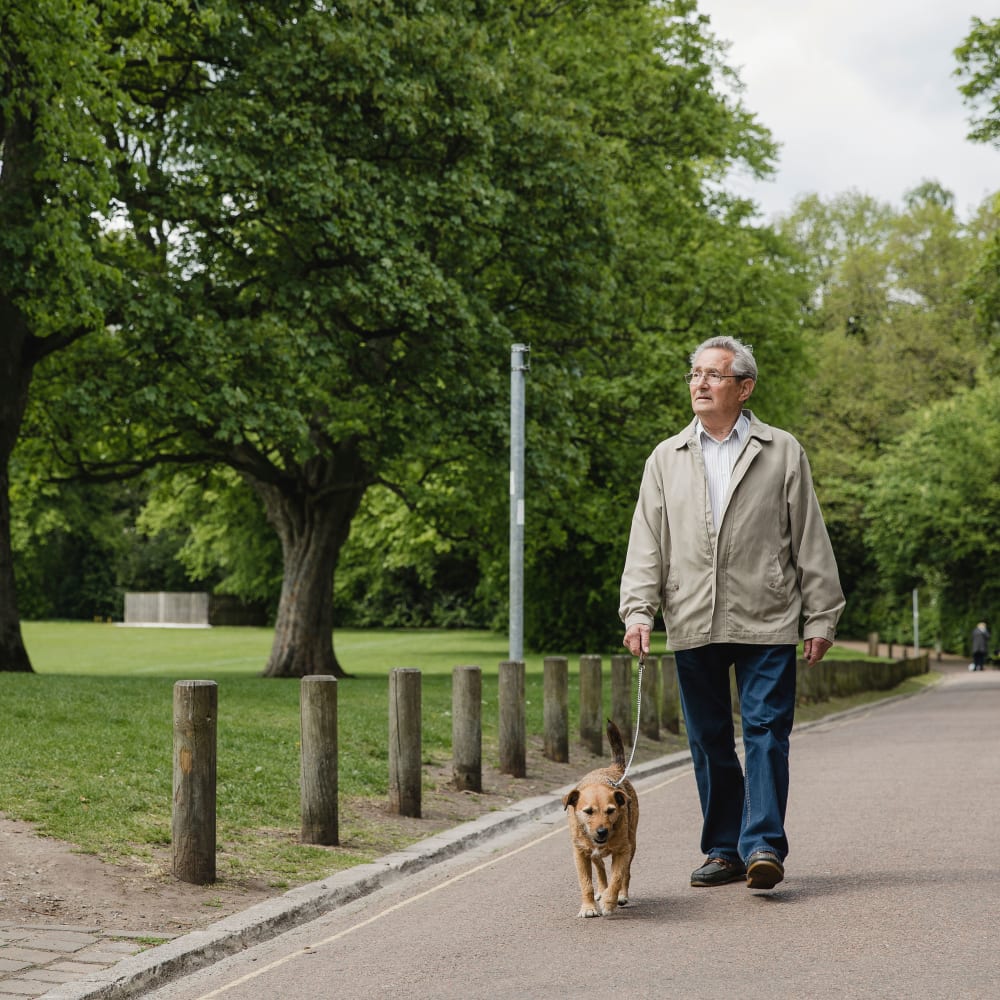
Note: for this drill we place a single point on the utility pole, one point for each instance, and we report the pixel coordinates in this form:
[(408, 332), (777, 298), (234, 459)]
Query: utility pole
[(518, 368), (916, 623)]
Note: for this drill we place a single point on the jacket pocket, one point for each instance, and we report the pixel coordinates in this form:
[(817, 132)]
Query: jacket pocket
[(776, 578)]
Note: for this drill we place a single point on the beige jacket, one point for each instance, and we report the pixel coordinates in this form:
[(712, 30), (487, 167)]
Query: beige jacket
[(771, 564)]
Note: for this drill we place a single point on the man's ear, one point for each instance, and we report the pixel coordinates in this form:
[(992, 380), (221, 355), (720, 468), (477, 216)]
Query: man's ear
[(747, 387)]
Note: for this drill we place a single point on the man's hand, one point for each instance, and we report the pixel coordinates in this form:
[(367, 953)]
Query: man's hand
[(637, 639), (815, 649)]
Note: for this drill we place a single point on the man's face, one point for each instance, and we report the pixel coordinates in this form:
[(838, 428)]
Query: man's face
[(722, 403)]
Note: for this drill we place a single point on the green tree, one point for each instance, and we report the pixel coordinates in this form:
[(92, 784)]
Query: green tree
[(60, 280), (354, 213), (934, 507), (979, 69), (893, 328), (688, 263)]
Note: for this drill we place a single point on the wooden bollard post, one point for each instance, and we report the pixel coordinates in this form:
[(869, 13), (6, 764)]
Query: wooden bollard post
[(513, 725), (467, 728), (621, 692), (319, 780), (670, 698), (649, 711), (873, 643), (591, 705), (404, 741), (196, 705), (555, 707), (734, 692), (807, 684)]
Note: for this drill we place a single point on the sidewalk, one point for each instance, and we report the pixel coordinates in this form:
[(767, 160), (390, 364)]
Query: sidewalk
[(82, 964)]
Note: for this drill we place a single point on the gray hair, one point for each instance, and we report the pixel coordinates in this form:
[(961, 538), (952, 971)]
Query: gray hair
[(744, 364)]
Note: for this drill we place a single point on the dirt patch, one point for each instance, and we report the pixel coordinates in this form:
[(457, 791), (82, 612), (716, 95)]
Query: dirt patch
[(45, 881)]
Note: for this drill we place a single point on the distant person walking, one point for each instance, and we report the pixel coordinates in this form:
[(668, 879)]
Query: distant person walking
[(729, 543), (980, 645)]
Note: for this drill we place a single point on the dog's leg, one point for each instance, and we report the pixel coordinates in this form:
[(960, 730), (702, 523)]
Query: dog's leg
[(616, 893), (588, 905), (602, 878), (633, 823)]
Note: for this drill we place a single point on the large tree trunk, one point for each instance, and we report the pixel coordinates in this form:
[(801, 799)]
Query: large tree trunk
[(313, 519), (15, 374), (13, 655)]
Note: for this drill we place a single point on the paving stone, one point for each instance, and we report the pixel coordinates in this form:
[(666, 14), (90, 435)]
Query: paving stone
[(50, 976), (65, 941), (79, 968), (22, 988), (103, 956), (33, 956)]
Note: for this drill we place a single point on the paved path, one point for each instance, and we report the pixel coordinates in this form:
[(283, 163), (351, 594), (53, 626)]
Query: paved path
[(892, 891)]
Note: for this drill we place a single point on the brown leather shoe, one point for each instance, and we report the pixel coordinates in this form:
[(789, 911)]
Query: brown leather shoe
[(764, 870), (718, 871)]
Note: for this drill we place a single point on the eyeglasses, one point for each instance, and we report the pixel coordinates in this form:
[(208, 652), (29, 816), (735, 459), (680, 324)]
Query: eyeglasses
[(713, 378)]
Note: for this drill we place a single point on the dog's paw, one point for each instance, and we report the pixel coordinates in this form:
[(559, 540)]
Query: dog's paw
[(622, 899), (588, 911)]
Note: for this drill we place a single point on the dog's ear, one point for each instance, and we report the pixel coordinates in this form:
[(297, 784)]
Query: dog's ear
[(571, 798), (621, 798)]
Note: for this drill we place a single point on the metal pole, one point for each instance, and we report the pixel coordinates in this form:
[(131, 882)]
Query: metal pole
[(518, 367), (916, 624)]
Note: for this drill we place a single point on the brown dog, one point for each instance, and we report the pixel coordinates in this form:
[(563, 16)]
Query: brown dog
[(603, 822)]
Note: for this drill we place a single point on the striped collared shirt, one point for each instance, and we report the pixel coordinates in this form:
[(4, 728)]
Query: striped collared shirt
[(720, 457)]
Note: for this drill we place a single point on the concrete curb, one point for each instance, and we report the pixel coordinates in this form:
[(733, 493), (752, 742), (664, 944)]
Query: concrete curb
[(141, 974)]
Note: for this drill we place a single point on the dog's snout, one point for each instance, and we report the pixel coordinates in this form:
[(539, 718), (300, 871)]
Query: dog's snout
[(601, 834)]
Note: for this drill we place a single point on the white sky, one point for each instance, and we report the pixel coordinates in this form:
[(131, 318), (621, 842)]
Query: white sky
[(860, 94)]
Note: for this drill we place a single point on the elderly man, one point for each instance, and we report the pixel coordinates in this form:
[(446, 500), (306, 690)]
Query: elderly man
[(728, 541)]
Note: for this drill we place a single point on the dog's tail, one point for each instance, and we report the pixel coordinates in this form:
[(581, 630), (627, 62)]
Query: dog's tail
[(617, 746)]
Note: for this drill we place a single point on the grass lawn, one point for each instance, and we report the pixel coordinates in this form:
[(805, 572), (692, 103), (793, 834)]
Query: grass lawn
[(87, 752)]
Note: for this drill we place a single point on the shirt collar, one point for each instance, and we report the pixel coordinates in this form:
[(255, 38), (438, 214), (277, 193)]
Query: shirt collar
[(741, 430)]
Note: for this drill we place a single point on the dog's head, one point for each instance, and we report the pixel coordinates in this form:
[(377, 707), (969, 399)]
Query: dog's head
[(599, 810)]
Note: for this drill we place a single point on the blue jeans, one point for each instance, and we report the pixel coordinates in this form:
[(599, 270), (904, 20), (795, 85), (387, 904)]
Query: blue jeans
[(741, 814)]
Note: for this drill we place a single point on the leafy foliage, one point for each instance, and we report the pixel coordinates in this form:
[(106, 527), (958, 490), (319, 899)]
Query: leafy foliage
[(979, 67), (893, 330), (935, 505), (341, 219)]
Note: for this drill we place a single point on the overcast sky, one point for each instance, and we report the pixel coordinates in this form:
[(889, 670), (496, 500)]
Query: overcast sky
[(860, 94)]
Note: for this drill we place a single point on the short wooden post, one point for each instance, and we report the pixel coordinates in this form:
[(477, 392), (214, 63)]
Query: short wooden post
[(555, 707), (670, 698), (621, 692), (404, 741), (196, 706), (467, 728), (591, 705), (649, 711), (873, 643), (319, 780), (734, 692), (513, 724)]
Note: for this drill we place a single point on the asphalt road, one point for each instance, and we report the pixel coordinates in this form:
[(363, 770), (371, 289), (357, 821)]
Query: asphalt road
[(892, 890)]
